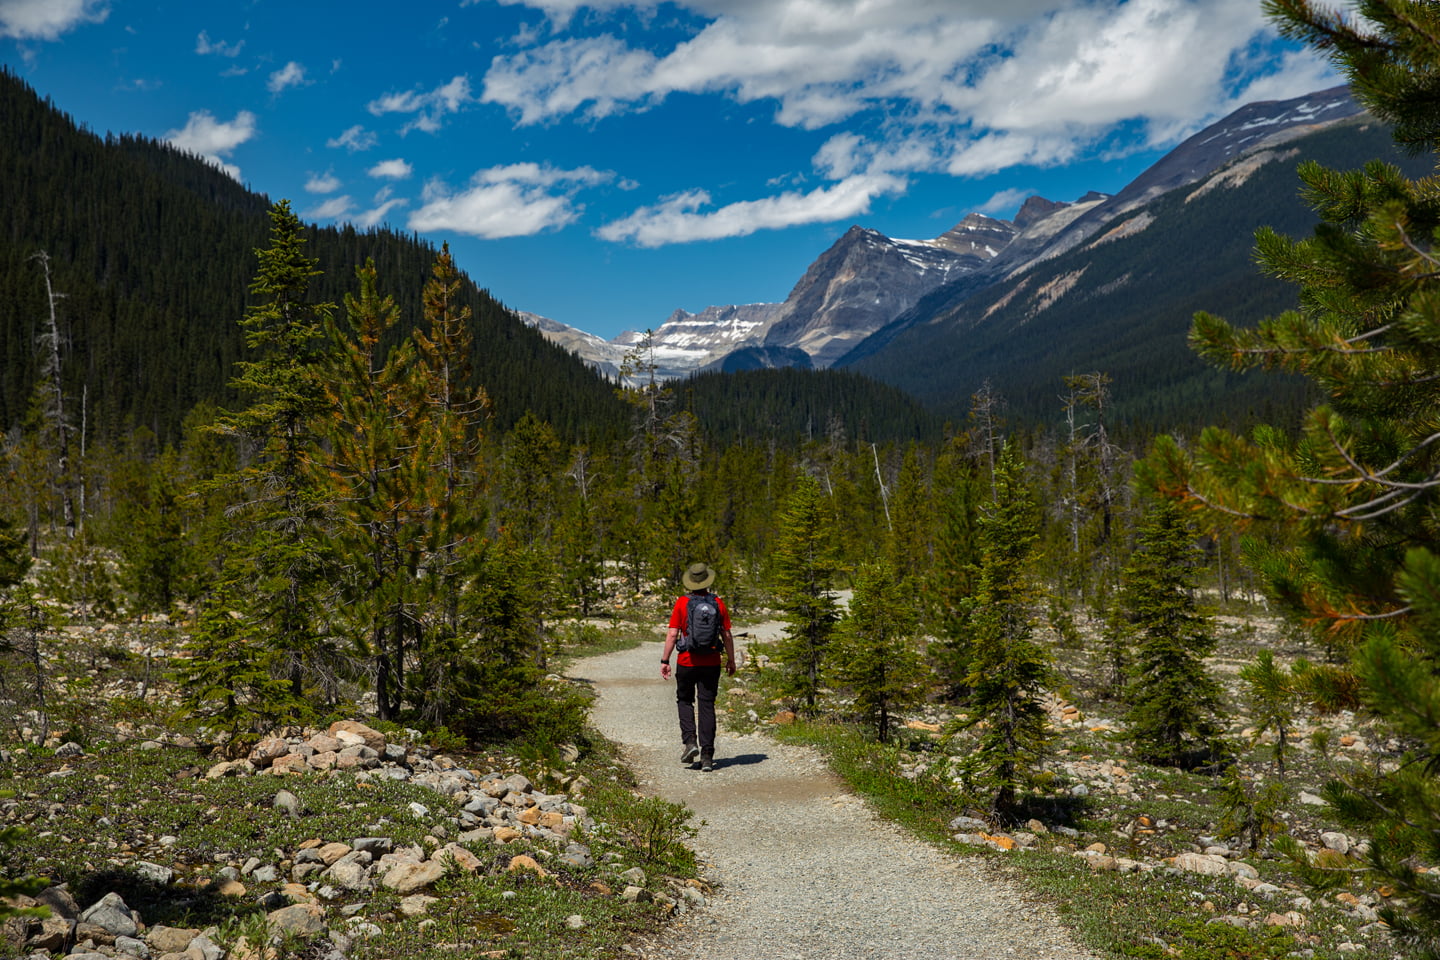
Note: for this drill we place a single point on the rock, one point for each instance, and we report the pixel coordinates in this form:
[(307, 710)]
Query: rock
[(416, 905), (70, 749), (375, 846), (523, 862), (165, 940), (132, 947), (296, 893), (266, 752), (231, 888), (368, 736), (1201, 863), (322, 761), (1240, 869), (968, 825), (506, 834), (1338, 842), (1310, 799), (301, 920), (633, 894), (111, 914), (229, 768), (290, 763), (406, 878), (207, 949), (331, 852), (1291, 918), (418, 810), (461, 857), (153, 872), (351, 875), (266, 874), (52, 935), (288, 804), (634, 875), (575, 922), (59, 901)]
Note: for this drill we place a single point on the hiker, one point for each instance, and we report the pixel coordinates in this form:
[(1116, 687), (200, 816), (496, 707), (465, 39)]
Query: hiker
[(699, 629)]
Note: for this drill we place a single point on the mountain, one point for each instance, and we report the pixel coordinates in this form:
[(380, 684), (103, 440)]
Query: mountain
[(866, 279), (1049, 229), (1120, 298), (154, 251)]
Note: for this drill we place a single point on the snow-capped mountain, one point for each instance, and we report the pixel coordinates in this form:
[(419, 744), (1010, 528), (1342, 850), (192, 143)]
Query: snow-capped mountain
[(867, 287)]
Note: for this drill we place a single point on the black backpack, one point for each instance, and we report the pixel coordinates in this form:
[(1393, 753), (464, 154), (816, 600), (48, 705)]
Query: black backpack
[(702, 624)]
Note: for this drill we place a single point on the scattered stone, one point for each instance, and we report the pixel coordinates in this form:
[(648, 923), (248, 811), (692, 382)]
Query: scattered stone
[(154, 872), (529, 863), (1207, 865), (110, 913), (69, 749), (1338, 842), (301, 920), (406, 878), (288, 804), (633, 894), (417, 904), (575, 922)]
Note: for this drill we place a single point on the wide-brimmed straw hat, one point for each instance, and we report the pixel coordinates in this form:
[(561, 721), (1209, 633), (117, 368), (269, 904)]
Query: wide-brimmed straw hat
[(698, 577)]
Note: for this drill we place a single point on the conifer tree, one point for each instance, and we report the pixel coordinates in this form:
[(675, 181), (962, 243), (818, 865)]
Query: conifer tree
[(1359, 485), (1008, 668), (377, 470), (1173, 700), (1270, 688), (805, 566), (876, 654), (963, 486), (282, 561)]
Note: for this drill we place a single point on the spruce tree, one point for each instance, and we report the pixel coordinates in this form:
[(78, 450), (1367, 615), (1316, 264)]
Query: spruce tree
[(1008, 668), (876, 653), (1173, 700), (1359, 485), (806, 563)]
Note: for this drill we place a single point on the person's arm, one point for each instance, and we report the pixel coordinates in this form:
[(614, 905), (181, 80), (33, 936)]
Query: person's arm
[(671, 635), (729, 639)]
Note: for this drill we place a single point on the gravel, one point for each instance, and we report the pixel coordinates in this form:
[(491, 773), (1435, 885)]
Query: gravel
[(803, 868)]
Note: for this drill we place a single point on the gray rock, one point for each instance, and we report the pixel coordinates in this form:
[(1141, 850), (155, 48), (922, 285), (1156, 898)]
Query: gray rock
[(266, 874), (208, 948), (577, 855), (634, 875), (301, 920), (111, 913), (575, 922), (969, 825), (406, 878), (70, 749), (1338, 842), (375, 846), (59, 901), (52, 935), (132, 947), (249, 866), (519, 783), (351, 876), (163, 939), (633, 894), (154, 872), (288, 804), (309, 855)]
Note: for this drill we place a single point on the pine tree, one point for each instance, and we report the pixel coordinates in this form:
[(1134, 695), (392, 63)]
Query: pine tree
[(876, 653), (1358, 487), (1270, 688), (1008, 668), (805, 566), (282, 561), (1173, 700)]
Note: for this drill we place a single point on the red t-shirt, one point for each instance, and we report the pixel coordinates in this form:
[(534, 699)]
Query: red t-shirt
[(680, 616)]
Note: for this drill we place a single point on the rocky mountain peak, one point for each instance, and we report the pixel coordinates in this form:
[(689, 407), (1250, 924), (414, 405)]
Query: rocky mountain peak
[(1036, 208)]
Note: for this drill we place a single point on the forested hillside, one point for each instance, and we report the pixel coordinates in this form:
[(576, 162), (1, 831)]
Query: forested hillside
[(153, 251)]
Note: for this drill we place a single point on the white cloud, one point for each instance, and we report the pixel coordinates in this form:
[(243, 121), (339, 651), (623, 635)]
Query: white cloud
[(356, 139), (1005, 201), (964, 86), (679, 219), (212, 139), (290, 75), (204, 45), (430, 108), (48, 19), (325, 182), (519, 200), (373, 216), (391, 170), (334, 208)]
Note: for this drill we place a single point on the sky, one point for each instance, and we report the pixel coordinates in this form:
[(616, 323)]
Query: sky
[(606, 162)]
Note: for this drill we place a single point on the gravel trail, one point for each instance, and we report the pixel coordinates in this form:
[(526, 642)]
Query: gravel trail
[(804, 869)]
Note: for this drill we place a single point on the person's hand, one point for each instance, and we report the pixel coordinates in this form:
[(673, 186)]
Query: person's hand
[(730, 666), (665, 670)]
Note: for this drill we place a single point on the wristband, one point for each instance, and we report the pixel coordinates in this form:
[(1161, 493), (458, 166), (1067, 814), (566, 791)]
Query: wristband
[(666, 662)]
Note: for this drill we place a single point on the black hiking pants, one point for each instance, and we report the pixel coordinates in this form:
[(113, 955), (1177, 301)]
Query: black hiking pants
[(704, 681)]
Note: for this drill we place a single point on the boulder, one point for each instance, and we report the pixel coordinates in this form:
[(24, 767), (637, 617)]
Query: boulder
[(406, 878), (368, 736), (110, 913), (302, 920)]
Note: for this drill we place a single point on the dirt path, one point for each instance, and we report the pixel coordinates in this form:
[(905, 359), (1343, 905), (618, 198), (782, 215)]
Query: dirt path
[(804, 869)]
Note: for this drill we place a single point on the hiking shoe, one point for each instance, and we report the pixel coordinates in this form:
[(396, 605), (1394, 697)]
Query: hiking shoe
[(707, 765), (688, 753)]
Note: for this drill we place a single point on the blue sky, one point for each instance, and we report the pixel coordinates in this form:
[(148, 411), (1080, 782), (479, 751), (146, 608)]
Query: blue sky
[(604, 163)]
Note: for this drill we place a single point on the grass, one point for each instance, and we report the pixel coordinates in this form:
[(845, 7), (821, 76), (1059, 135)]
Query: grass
[(1166, 913)]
